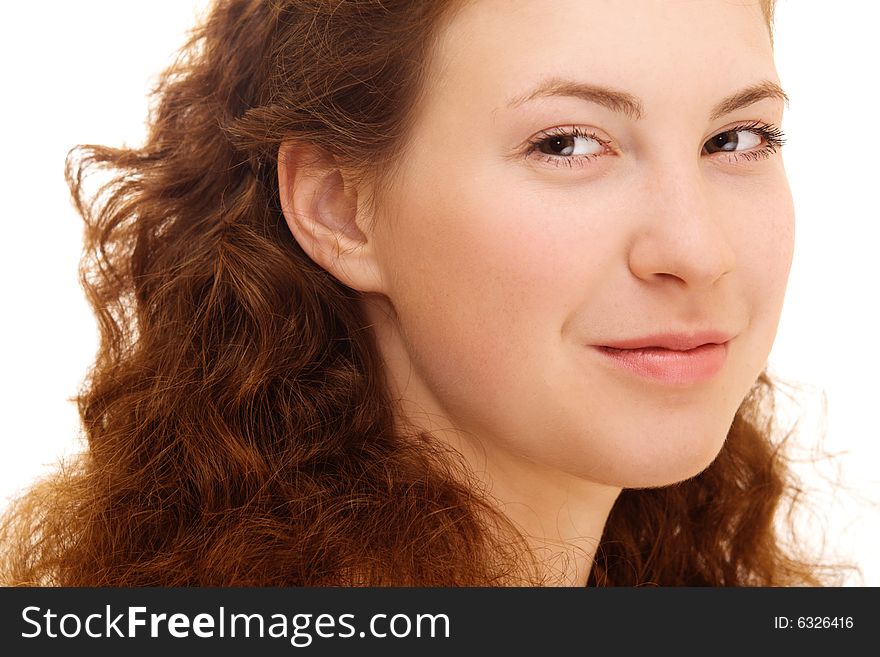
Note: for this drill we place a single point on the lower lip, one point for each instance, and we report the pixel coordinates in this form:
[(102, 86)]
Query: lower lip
[(670, 367)]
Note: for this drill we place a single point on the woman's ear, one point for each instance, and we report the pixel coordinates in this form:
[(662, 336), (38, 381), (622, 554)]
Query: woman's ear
[(321, 209)]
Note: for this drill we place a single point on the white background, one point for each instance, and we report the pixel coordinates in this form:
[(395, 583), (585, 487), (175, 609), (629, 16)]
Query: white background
[(78, 72)]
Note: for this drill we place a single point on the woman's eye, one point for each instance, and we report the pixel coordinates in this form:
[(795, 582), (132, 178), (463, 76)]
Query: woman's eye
[(733, 140), (567, 145), (753, 141), (570, 147)]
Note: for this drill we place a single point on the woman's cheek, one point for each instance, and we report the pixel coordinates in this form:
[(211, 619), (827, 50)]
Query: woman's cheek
[(766, 250), (476, 308)]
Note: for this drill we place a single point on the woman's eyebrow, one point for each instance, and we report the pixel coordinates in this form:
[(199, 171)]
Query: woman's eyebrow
[(626, 103)]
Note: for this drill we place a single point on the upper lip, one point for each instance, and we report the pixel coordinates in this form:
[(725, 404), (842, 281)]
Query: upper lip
[(674, 341)]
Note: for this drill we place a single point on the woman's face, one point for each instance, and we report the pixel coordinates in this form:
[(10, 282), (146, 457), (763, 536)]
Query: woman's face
[(586, 173)]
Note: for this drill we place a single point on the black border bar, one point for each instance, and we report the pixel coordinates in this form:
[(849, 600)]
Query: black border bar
[(500, 621)]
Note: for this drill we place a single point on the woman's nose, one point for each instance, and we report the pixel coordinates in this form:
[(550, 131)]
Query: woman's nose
[(681, 235)]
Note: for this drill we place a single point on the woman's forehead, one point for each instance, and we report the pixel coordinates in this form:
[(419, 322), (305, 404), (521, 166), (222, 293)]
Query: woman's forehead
[(502, 49)]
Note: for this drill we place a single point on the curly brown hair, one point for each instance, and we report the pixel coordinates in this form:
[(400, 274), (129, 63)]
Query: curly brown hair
[(239, 430)]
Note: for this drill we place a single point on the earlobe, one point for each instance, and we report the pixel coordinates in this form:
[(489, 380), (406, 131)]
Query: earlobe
[(322, 213)]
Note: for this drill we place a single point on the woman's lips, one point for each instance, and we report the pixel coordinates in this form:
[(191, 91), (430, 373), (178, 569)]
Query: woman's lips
[(670, 366)]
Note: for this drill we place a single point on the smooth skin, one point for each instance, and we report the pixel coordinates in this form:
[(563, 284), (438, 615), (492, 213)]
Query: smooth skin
[(496, 262)]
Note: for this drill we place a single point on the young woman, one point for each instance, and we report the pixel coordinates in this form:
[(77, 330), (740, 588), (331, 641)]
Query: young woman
[(436, 293)]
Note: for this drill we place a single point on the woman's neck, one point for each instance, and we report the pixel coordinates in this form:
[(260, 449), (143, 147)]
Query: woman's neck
[(561, 516)]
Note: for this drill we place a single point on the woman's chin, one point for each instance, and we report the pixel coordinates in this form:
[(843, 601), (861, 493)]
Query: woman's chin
[(666, 460)]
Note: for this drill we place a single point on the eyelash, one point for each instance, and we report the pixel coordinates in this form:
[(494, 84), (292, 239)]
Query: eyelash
[(772, 136)]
